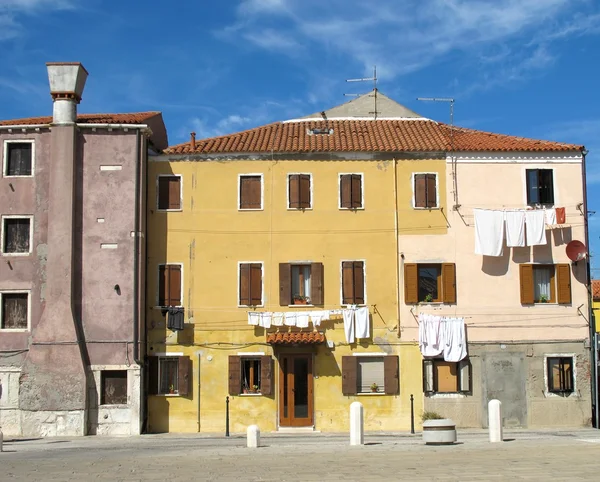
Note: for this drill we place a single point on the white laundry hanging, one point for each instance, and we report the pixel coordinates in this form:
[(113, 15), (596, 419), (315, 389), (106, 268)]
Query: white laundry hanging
[(277, 319), (535, 220), (550, 216), (290, 318), (361, 318), (253, 318), (302, 320), (265, 319), (430, 334), (489, 232), (515, 228), (348, 325), (455, 340)]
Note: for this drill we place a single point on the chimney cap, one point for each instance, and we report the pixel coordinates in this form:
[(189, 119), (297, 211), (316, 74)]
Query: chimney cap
[(67, 79)]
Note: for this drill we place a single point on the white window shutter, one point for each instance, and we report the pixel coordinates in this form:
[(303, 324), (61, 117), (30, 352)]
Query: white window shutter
[(464, 368), (427, 376)]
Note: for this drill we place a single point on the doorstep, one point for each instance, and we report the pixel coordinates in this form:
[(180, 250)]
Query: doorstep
[(296, 430)]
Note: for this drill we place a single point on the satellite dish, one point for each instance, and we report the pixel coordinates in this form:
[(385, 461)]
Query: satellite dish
[(576, 251)]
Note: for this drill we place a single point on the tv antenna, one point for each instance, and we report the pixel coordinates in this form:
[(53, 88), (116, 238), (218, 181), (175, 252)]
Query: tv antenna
[(452, 156), (374, 94)]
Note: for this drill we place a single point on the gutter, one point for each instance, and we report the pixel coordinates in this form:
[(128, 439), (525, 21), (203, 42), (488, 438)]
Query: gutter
[(26, 126), (79, 124)]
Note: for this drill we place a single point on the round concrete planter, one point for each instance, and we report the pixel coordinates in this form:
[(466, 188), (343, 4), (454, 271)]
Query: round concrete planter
[(439, 432)]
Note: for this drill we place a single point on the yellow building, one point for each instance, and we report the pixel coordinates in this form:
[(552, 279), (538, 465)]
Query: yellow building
[(268, 248)]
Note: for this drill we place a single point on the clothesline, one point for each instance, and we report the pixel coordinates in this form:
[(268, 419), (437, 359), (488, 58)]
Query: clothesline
[(442, 334)]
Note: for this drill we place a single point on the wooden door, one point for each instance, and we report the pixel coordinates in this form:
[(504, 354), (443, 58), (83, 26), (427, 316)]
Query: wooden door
[(295, 390)]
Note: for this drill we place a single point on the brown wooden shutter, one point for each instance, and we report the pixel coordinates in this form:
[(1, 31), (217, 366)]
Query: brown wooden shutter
[(174, 285), (255, 193), (152, 367), (431, 191), (349, 373), (411, 283), (359, 282), (285, 284), (235, 375), (163, 192), (184, 375), (256, 284), (294, 187), (174, 192), (526, 280), (348, 282), (266, 375), (420, 191), (316, 283), (305, 191), (244, 284), (449, 282), (391, 374), (563, 284), (163, 285), (346, 191), (356, 191)]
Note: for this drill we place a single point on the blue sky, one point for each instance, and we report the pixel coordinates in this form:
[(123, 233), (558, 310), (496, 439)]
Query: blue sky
[(522, 67)]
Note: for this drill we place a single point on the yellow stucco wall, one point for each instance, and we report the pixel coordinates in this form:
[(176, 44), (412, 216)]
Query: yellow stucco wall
[(209, 236), (596, 308)]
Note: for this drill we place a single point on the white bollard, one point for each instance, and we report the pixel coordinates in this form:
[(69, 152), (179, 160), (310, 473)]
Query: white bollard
[(253, 437), (357, 434), (495, 420)]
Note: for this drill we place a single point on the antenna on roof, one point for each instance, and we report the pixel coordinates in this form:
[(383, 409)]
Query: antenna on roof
[(452, 156), (374, 94)]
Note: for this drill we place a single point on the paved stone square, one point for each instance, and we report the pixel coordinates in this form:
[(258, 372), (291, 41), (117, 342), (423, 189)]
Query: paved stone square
[(526, 455)]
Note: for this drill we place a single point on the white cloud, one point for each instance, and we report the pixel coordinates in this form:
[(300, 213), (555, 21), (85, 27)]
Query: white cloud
[(11, 10)]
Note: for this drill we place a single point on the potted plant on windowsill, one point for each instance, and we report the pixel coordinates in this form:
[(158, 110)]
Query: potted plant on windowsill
[(543, 299), (438, 430), (374, 388), (171, 390), (428, 298), (255, 389), (301, 300)]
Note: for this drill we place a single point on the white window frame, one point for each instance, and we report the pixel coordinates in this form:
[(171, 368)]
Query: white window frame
[(463, 366), (180, 193), (158, 282), (262, 191), (262, 286), (362, 191), (547, 392), (437, 191), (16, 330), (381, 355), (364, 262), (17, 216), (287, 191), (115, 368), (554, 190), (5, 156)]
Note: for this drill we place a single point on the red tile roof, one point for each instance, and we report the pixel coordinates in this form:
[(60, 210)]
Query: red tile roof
[(596, 289), (304, 338), (397, 135), (129, 118)]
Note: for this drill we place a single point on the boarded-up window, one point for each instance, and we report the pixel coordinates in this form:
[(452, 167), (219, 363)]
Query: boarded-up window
[(425, 191), (370, 374), (545, 283), (18, 159), (560, 374), (440, 376), (169, 192), (250, 289), (113, 387), (14, 311), (429, 283), (169, 285), (250, 192), (353, 283), (351, 191), (299, 191), (17, 232)]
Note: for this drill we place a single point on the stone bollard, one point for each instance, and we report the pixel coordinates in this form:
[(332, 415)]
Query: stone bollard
[(495, 420), (357, 434), (253, 437)]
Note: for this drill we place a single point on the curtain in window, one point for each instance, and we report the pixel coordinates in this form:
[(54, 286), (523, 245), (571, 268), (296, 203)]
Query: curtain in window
[(168, 375), (301, 280), (541, 283)]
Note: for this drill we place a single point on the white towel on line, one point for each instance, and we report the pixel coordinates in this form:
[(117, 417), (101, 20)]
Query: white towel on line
[(361, 317), (253, 318), (290, 319), (535, 227), (550, 216), (277, 319), (455, 340), (302, 320), (515, 228), (265, 319), (317, 316), (430, 335), (348, 325), (489, 232)]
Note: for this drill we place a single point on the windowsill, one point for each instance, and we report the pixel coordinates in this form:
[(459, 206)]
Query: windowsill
[(14, 330), (251, 306), (370, 394), (16, 177), (446, 395), (169, 210), (113, 405), (17, 255), (433, 303), (301, 306), (159, 307), (349, 306), (167, 395), (572, 394), (250, 395), (351, 209), (300, 209), (436, 208), (249, 209), (549, 303)]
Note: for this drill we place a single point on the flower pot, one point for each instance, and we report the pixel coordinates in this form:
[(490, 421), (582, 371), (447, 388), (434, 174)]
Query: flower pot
[(439, 432), (300, 302)]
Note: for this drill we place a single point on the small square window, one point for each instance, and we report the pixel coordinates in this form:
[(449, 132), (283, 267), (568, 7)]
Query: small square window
[(371, 375), (15, 311), (114, 387), (169, 193), (18, 160), (16, 235), (560, 375), (250, 192)]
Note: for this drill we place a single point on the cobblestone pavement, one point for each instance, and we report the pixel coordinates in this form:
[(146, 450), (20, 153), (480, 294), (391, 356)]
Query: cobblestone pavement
[(525, 455)]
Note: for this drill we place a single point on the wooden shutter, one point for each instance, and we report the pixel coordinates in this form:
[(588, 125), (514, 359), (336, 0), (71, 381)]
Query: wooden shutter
[(356, 191), (250, 192), (526, 280), (420, 191), (349, 372), (427, 376), (256, 284), (163, 192), (174, 192), (316, 284), (346, 191), (359, 282), (294, 191), (391, 374), (163, 285), (411, 283), (449, 283), (464, 370), (563, 284), (244, 284), (174, 285), (446, 376), (266, 375), (431, 191), (304, 191), (285, 284), (347, 283), (152, 367), (235, 375), (184, 375)]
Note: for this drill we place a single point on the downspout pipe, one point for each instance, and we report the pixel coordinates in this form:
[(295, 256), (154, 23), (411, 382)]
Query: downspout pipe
[(136, 250)]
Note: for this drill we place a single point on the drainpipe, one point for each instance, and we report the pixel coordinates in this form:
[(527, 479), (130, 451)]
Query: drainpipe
[(397, 240), (136, 253)]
